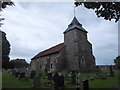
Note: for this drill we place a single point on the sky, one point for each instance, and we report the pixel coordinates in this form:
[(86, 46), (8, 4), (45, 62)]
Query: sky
[(32, 27)]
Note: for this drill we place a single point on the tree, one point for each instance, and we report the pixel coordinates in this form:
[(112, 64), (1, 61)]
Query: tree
[(108, 10), (5, 50), (3, 5), (5, 42), (18, 63)]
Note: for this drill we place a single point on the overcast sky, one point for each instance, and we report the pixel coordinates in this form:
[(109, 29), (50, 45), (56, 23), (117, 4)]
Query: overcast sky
[(32, 27)]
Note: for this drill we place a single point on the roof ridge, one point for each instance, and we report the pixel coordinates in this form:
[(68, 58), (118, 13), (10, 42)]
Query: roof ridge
[(53, 49)]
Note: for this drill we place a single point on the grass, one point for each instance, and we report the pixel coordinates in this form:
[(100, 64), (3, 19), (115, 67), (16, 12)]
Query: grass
[(9, 81), (0, 80), (108, 83)]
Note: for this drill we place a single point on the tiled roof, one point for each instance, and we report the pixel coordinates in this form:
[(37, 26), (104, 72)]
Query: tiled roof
[(75, 24), (51, 50)]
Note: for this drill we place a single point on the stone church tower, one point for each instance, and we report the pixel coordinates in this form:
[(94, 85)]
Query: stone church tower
[(74, 54), (78, 49)]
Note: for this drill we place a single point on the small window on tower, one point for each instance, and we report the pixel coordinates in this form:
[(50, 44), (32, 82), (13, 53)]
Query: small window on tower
[(83, 60)]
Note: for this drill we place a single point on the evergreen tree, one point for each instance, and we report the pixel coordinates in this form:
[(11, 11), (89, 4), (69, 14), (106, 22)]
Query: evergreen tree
[(5, 50)]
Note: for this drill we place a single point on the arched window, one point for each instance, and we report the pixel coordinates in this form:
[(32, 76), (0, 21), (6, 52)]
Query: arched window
[(51, 66)]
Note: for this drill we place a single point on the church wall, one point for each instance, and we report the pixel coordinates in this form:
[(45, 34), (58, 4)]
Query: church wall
[(33, 65), (61, 63), (71, 49), (90, 57), (77, 49), (45, 62), (86, 48), (42, 62), (53, 60), (77, 52)]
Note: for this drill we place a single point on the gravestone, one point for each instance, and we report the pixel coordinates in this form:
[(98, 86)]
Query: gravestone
[(36, 81), (77, 86), (73, 78), (27, 76), (66, 74), (22, 69), (61, 81), (49, 77), (22, 75), (9, 70), (17, 74), (111, 72), (32, 74), (39, 74), (56, 81), (85, 85), (79, 78), (13, 72)]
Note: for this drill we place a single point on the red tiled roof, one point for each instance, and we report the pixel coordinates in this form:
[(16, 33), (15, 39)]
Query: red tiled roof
[(51, 50)]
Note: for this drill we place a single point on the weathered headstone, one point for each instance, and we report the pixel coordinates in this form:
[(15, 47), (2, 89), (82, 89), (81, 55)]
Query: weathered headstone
[(49, 77), (56, 81), (17, 74), (9, 70), (73, 78), (66, 73), (77, 86), (111, 72), (13, 72), (37, 79), (85, 85), (61, 81), (27, 75), (32, 75), (22, 75), (79, 78), (39, 74), (22, 69)]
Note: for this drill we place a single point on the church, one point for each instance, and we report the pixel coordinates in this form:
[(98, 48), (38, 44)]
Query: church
[(75, 53)]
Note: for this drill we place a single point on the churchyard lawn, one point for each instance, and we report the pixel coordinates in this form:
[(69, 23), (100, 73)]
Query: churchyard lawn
[(0, 79), (9, 81)]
